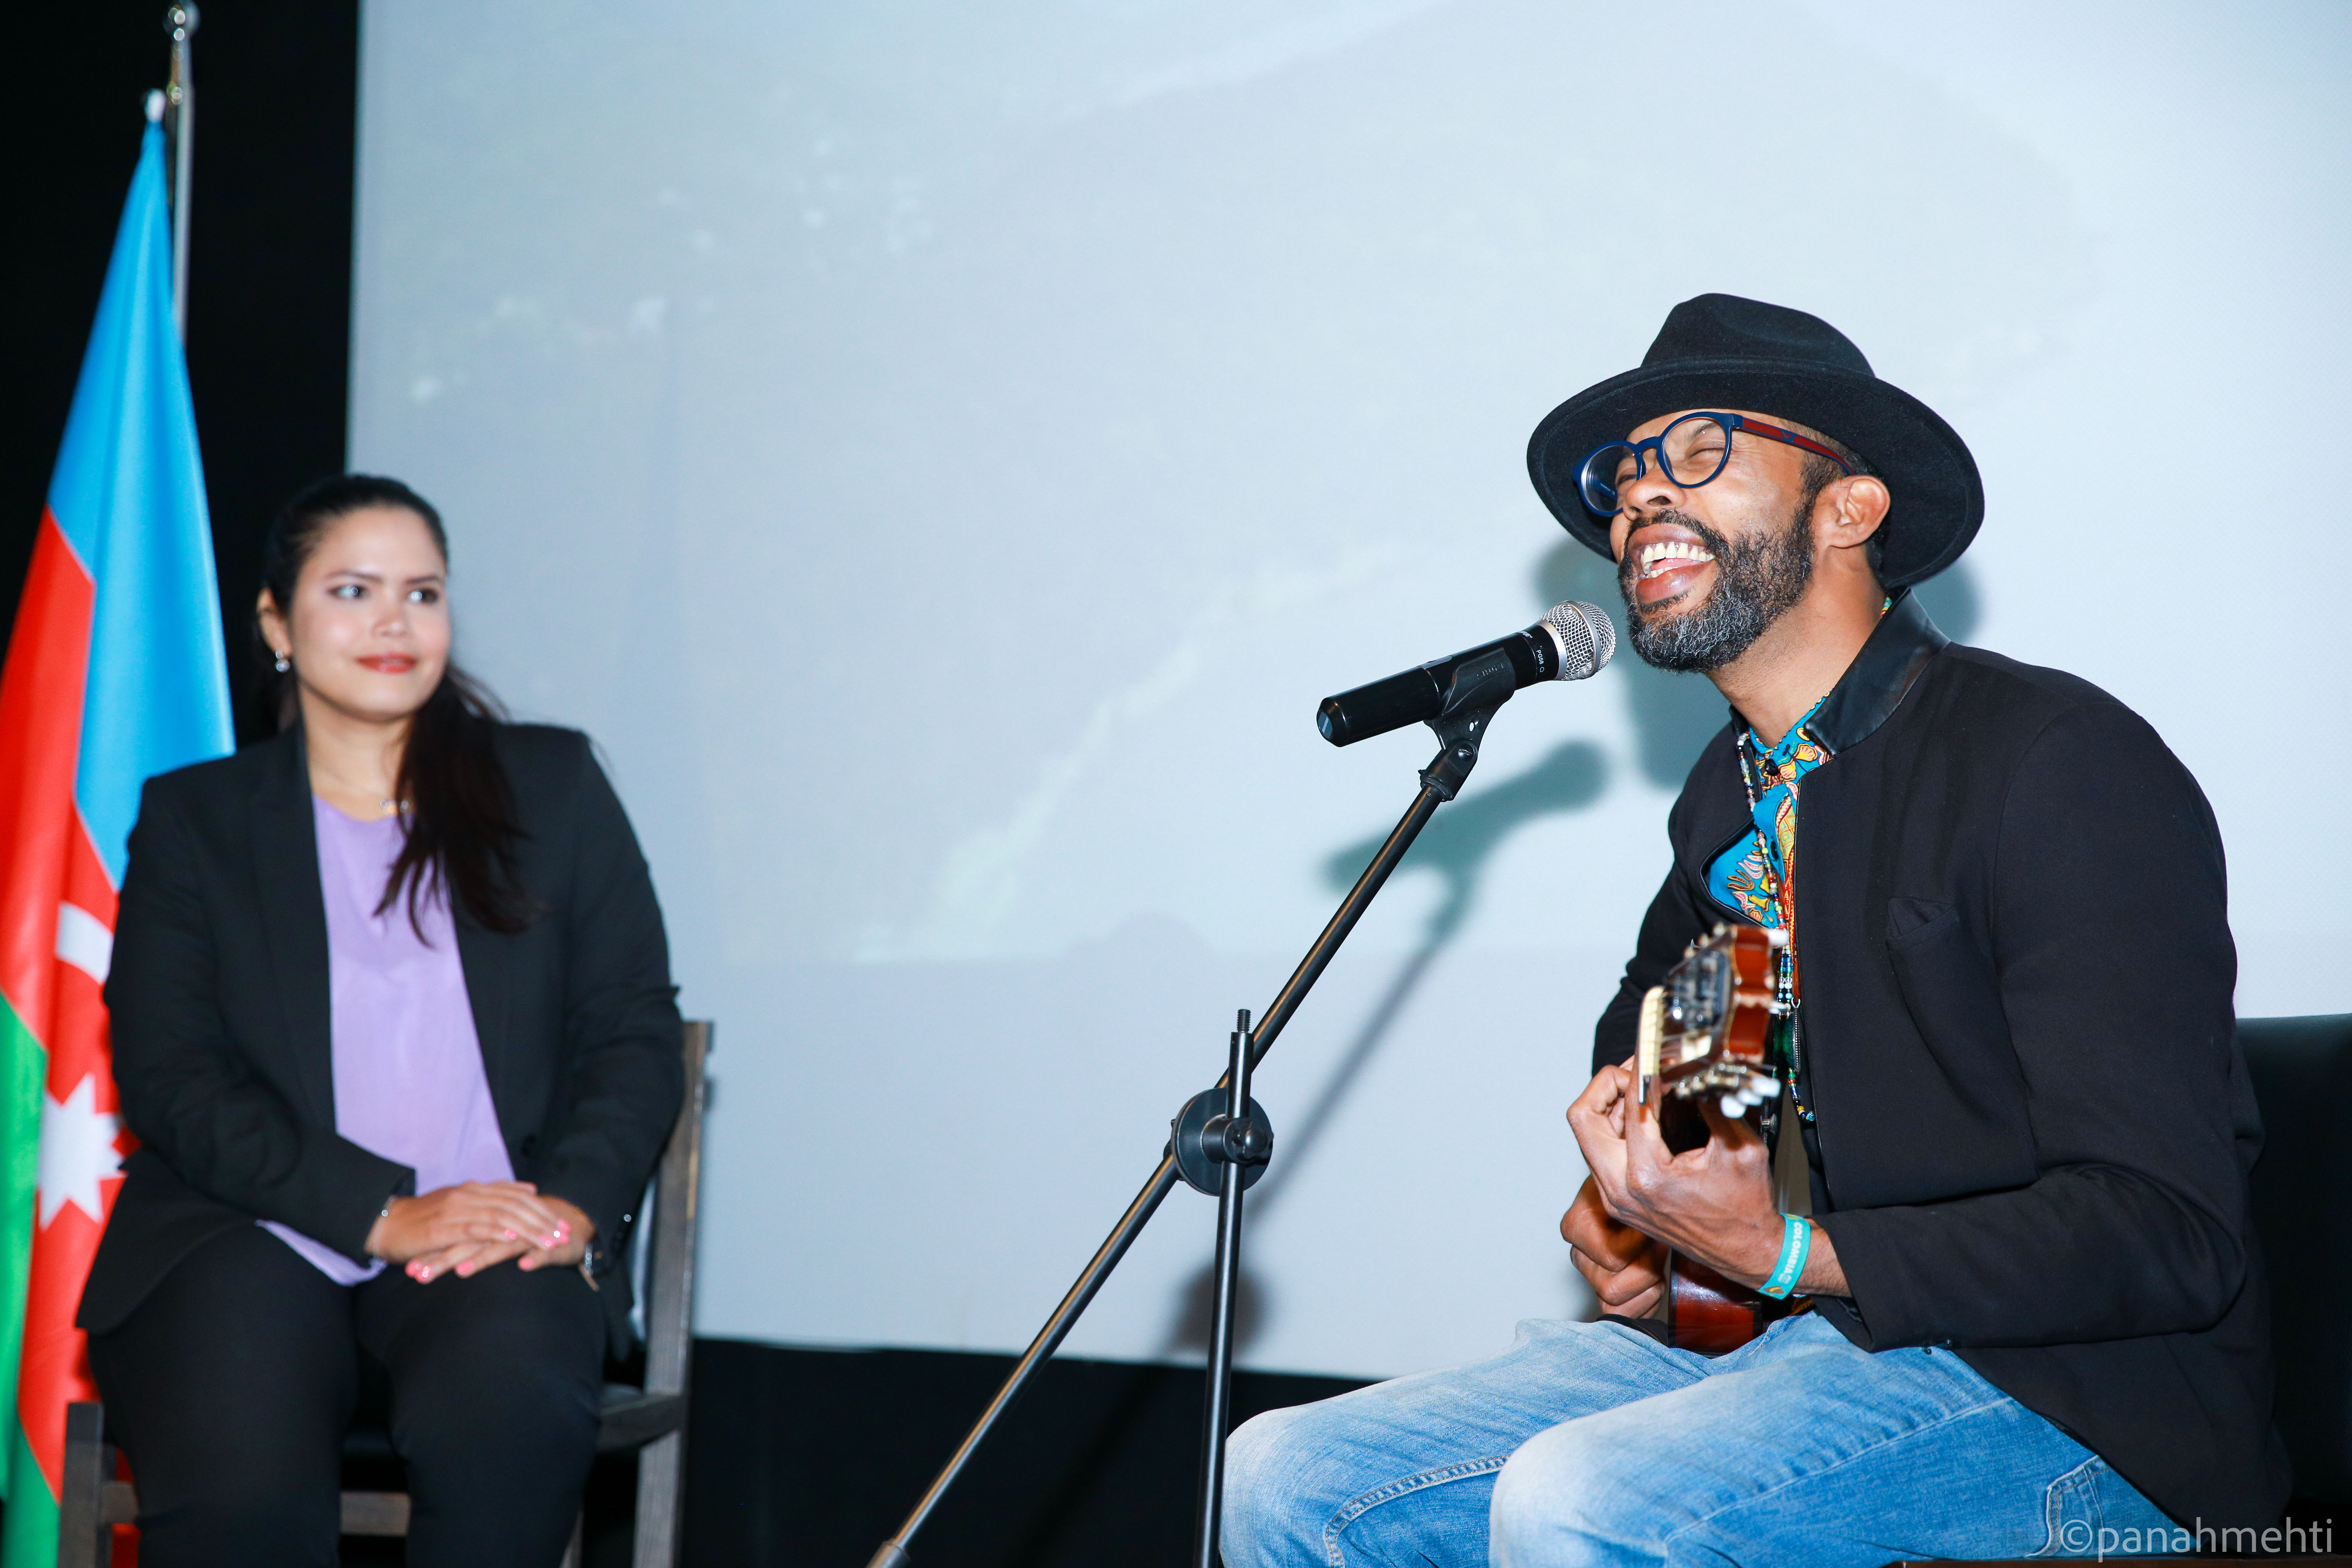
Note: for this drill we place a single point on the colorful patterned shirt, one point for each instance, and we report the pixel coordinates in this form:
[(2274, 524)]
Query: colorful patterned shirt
[(1739, 877), (1742, 877)]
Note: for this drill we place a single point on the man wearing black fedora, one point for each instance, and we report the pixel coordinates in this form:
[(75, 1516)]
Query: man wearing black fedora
[(2005, 1180)]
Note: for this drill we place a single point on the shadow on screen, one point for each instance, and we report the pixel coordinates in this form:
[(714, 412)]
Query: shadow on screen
[(1458, 843)]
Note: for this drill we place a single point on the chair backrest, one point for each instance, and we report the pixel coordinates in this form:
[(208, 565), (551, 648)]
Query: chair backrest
[(2303, 1211), (668, 1276)]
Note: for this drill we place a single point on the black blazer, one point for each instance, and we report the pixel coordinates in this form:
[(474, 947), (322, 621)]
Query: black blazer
[(2034, 1121), (219, 993)]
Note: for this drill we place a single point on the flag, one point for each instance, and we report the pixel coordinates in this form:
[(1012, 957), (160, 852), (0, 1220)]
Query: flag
[(114, 673)]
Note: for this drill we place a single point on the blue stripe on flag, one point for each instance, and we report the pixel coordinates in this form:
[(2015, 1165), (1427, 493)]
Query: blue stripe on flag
[(129, 493)]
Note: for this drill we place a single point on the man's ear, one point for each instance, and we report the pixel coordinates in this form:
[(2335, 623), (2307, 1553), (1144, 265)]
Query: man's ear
[(1856, 505)]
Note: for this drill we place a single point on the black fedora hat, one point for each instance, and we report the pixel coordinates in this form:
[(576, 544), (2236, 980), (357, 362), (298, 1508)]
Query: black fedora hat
[(1719, 351)]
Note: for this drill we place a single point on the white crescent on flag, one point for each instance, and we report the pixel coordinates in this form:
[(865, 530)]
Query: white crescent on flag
[(84, 941)]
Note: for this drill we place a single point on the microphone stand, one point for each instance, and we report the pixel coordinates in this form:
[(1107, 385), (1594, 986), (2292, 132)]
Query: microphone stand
[(1221, 1141)]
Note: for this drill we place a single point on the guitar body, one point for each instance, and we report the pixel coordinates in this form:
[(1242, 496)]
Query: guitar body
[(1707, 1032), (1709, 1314)]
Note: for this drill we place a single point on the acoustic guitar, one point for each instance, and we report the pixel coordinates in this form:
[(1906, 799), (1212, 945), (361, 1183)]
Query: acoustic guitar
[(1707, 1032)]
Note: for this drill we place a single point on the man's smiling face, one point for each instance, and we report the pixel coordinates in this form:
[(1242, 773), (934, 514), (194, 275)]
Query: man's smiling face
[(1705, 569)]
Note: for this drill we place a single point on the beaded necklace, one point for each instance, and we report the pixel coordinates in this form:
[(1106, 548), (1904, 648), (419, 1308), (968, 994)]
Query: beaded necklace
[(1780, 883), (1780, 886)]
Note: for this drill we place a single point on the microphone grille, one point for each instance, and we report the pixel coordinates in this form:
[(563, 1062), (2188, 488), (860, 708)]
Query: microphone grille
[(1585, 635)]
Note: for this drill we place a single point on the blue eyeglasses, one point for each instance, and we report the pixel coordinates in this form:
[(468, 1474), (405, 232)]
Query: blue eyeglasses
[(1691, 452)]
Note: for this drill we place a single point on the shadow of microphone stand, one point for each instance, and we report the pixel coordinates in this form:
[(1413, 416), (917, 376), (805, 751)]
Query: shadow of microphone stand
[(1220, 1141), (1458, 846)]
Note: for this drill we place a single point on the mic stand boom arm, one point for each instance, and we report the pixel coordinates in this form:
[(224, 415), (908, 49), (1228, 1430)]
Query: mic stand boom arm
[(1477, 691)]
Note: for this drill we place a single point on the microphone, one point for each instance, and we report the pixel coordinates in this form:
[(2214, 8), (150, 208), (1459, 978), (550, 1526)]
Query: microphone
[(1572, 642)]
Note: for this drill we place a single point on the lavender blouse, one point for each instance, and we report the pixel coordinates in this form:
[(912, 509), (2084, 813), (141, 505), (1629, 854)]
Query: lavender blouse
[(409, 1083)]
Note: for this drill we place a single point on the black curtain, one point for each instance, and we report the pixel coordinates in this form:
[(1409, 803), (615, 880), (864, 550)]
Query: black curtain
[(270, 254), (804, 1458)]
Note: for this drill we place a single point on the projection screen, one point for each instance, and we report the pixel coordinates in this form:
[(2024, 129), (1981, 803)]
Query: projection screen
[(943, 453)]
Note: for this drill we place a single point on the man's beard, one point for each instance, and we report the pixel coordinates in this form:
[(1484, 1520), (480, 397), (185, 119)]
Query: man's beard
[(1755, 583)]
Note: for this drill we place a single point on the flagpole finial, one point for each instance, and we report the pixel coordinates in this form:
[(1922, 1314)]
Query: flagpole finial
[(179, 98), (155, 107)]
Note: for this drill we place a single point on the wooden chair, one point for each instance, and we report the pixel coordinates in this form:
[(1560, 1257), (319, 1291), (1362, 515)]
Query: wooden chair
[(650, 1420)]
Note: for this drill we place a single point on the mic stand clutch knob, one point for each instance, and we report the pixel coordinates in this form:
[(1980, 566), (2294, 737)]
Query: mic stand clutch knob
[(1205, 1139), (1249, 1141)]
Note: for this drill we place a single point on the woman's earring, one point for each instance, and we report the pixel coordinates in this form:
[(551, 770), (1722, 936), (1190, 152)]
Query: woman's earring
[(284, 664)]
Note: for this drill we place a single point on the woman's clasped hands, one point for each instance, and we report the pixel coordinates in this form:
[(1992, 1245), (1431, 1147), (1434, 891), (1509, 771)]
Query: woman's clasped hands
[(474, 1226)]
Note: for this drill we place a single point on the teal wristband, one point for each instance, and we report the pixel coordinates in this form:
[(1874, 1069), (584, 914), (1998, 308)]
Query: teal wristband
[(1796, 1241)]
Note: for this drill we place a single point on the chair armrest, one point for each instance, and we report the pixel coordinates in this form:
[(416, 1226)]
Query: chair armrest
[(634, 1419)]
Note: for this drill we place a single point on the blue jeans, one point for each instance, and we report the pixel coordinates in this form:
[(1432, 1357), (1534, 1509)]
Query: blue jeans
[(1591, 1443)]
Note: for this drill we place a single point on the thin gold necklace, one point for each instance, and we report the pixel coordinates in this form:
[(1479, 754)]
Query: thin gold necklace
[(385, 804)]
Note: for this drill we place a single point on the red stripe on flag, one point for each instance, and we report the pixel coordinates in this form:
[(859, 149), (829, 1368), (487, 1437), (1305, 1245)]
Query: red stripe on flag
[(82, 1145), (40, 743), (46, 860)]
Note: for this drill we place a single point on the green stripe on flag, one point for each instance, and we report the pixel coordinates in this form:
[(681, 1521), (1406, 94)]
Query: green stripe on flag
[(30, 1539), (24, 1069)]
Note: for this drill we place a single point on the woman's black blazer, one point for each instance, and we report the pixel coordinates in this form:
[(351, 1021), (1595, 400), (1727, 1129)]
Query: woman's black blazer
[(218, 995)]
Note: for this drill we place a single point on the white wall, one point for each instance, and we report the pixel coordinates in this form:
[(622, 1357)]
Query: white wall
[(944, 452)]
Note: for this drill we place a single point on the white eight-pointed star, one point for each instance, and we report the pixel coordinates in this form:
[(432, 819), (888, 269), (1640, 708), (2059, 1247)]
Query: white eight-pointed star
[(77, 1153)]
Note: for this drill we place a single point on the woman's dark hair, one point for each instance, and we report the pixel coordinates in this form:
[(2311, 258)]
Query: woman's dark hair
[(460, 826)]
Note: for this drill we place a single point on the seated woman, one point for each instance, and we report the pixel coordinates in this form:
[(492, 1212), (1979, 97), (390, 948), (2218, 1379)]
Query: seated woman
[(391, 988)]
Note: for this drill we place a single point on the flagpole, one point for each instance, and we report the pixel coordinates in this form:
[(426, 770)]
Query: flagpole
[(180, 21)]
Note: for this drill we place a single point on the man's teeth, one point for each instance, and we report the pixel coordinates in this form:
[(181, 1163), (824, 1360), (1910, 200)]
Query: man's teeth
[(1652, 555)]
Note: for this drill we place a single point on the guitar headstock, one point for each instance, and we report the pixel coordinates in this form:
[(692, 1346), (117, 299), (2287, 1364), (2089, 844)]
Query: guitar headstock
[(1708, 1028)]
